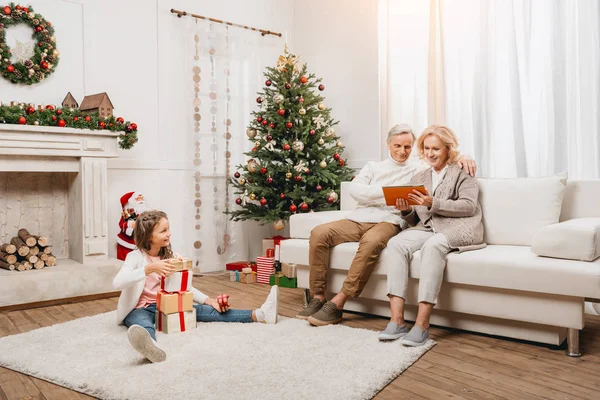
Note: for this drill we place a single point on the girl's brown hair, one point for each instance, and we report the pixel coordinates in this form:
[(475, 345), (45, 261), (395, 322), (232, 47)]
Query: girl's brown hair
[(144, 226)]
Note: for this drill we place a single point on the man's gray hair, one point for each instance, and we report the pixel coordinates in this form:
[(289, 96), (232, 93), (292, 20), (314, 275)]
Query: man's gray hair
[(399, 130)]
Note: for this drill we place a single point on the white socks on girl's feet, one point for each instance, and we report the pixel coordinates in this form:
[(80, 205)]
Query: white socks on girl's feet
[(141, 340), (267, 313)]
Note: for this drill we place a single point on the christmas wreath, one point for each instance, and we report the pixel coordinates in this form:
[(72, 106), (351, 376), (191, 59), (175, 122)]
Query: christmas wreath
[(33, 61)]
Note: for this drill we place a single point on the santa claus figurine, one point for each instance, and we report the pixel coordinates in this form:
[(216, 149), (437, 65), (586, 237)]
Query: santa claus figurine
[(133, 204)]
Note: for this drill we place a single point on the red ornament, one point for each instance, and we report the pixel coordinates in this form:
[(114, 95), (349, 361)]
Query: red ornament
[(10, 68), (87, 118), (301, 100), (289, 125), (26, 10), (75, 119), (336, 156), (44, 65), (41, 44), (237, 174), (269, 180), (263, 170), (268, 82), (342, 163), (312, 132), (18, 7), (6, 10), (265, 122), (286, 147), (272, 125), (321, 87), (307, 171), (269, 138), (258, 100), (282, 196), (128, 128), (29, 110), (134, 126), (22, 120), (304, 207), (303, 79), (263, 202), (281, 112), (54, 118), (102, 124), (253, 149), (38, 28), (120, 120), (111, 124), (293, 208), (58, 111), (258, 119), (62, 123), (330, 199), (319, 188), (250, 181), (238, 201), (288, 86), (298, 178)]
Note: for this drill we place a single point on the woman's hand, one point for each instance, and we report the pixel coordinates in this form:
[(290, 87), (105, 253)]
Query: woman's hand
[(420, 198), (402, 204), (162, 268), (221, 303), (468, 164)]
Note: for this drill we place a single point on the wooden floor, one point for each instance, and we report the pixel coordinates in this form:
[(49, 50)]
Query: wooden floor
[(461, 365)]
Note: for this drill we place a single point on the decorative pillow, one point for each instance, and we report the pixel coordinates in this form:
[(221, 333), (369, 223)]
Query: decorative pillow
[(575, 239), (515, 210)]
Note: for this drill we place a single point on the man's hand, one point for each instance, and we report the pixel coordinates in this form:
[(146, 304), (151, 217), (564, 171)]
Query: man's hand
[(420, 198), (468, 164)]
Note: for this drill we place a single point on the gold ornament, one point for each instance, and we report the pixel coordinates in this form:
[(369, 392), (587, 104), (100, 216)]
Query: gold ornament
[(252, 196), (257, 143), (251, 133), (329, 132), (340, 143), (242, 181), (302, 111), (321, 106), (288, 175), (321, 142), (279, 225), (323, 164), (297, 145), (252, 165)]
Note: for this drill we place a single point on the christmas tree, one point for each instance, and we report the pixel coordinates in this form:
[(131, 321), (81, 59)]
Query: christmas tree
[(295, 164)]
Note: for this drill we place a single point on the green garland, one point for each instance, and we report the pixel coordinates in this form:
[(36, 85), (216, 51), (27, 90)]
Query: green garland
[(72, 118), (45, 54)]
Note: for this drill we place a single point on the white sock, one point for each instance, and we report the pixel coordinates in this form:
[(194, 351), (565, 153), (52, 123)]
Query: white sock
[(260, 315)]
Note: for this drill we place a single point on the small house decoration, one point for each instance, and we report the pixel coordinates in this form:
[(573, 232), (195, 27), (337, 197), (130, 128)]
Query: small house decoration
[(99, 103), (70, 102)]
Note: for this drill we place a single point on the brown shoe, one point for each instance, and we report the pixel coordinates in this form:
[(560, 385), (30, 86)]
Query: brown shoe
[(327, 315), (313, 306)]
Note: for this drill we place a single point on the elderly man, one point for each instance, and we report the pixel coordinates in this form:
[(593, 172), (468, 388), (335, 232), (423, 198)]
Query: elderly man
[(372, 224)]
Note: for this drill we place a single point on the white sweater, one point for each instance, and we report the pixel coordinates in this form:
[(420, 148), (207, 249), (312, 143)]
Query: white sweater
[(131, 279), (366, 190)]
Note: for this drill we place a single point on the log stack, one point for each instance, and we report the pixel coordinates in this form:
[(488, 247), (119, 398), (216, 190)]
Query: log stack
[(26, 251)]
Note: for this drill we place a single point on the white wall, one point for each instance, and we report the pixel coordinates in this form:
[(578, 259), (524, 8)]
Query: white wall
[(338, 39)]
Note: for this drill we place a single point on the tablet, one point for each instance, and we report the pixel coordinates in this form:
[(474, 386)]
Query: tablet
[(391, 193)]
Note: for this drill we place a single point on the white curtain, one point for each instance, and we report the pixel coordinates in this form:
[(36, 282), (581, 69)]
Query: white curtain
[(225, 65), (517, 80)]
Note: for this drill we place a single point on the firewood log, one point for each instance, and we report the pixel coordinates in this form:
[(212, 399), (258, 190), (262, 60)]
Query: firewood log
[(20, 266), (8, 258), (51, 262), (26, 266), (39, 264), (22, 248), (27, 237), (5, 265), (34, 250), (47, 250), (41, 240), (43, 256), (31, 258), (8, 248)]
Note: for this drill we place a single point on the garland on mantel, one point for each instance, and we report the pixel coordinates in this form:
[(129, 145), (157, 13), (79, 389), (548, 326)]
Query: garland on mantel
[(68, 117)]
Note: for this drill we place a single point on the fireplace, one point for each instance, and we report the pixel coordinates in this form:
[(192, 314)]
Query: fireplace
[(53, 182)]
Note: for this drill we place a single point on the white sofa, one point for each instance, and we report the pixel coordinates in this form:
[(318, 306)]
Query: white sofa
[(504, 289)]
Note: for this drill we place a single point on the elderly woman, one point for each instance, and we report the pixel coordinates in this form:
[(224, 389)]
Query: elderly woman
[(445, 219)]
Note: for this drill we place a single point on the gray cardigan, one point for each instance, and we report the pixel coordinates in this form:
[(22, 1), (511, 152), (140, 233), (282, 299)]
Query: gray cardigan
[(455, 211)]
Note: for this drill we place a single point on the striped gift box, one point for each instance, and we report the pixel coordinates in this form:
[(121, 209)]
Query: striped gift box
[(264, 269)]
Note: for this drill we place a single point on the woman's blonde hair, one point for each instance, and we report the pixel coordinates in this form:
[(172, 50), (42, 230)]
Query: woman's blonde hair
[(447, 137), (142, 233)]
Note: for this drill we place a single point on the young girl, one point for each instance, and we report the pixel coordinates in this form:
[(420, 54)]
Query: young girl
[(139, 280)]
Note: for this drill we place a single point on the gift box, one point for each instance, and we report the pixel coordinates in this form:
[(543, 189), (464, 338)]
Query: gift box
[(289, 270), (234, 276), (283, 281), (180, 281), (181, 264), (169, 303), (177, 322), (264, 269), (273, 243), (236, 265), (248, 277)]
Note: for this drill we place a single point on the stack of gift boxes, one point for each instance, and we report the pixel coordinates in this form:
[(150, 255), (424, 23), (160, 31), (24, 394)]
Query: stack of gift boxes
[(242, 271), (175, 310), (274, 272)]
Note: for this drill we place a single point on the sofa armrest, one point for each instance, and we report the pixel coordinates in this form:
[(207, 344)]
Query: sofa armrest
[(575, 239), (302, 224)]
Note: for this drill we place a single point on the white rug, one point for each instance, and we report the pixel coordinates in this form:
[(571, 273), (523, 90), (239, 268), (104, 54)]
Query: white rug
[(214, 361)]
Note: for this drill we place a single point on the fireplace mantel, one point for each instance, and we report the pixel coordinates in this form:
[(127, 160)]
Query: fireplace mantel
[(83, 152)]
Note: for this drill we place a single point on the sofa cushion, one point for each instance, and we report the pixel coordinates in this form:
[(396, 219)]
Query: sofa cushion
[(302, 224), (515, 210), (505, 267), (575, 239)]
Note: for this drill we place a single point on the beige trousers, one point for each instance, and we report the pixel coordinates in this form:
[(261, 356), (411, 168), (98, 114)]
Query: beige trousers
[(372, 238)]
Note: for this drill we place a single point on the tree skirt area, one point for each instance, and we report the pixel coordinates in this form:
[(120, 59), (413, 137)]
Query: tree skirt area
[(214, 361)]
